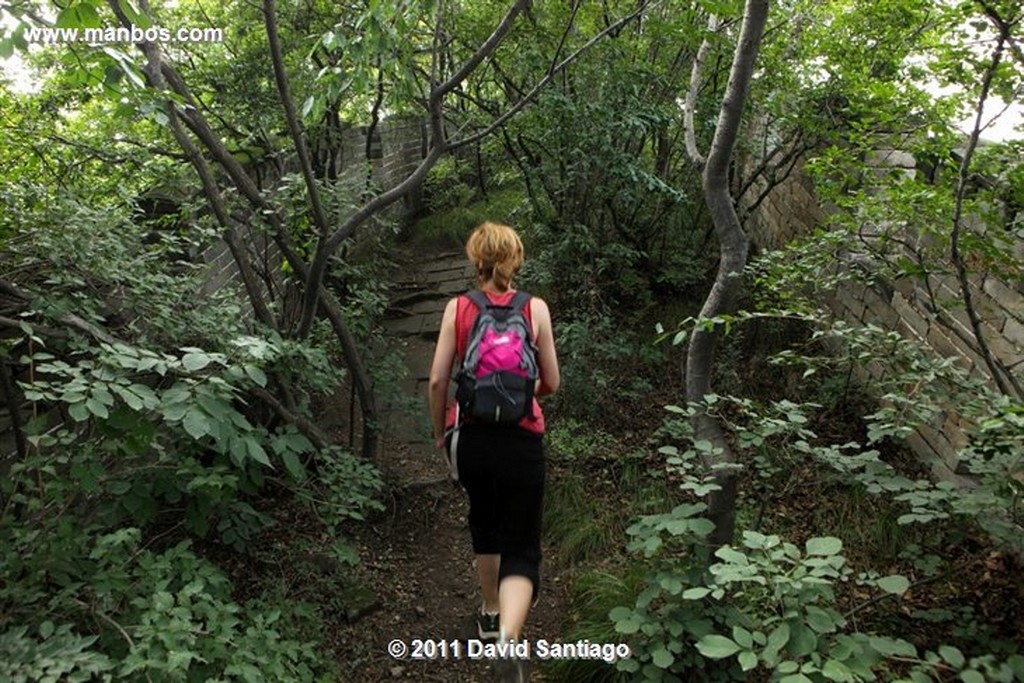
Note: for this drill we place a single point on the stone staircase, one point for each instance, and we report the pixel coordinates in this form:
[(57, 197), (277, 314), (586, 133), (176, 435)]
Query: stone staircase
[(423, 286)]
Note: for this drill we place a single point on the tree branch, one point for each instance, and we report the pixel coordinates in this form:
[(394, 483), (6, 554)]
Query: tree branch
[(552, 72), (193, 118), (489, 46), (298, 139), (308, 427), (690, 105), (1003, 26), (1008, 385), (326, 247)]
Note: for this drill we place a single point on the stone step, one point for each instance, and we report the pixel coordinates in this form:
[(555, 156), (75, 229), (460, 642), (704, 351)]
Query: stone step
[(416, 297), (404, 327)]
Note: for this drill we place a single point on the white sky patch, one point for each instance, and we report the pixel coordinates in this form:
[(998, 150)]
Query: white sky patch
[(1001, 121), (14, 69)]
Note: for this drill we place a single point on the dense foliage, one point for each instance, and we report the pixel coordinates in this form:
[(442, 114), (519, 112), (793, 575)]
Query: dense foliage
[(157, 418)]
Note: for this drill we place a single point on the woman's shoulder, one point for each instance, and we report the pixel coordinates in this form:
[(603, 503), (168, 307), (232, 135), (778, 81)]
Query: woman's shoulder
[(538, 304)]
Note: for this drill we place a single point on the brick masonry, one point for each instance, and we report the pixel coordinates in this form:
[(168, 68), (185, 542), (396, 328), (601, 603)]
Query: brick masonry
[(402, 146), (791, 209)]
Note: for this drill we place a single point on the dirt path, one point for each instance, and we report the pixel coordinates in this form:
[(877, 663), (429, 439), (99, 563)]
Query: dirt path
[(417, 556)]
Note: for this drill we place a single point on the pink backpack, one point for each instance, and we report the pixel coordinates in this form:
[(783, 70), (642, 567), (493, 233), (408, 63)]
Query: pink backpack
[(496, 381)]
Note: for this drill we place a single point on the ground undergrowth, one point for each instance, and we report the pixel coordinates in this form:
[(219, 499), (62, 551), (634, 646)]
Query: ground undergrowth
[(964, 592)]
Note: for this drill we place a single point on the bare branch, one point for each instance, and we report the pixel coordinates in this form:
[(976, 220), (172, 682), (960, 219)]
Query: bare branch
[(298, 139), (690, 105), (1006, 382), (552, 72), (489, 46)]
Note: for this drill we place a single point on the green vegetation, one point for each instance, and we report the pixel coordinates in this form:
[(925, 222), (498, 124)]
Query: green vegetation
[(184, 287)]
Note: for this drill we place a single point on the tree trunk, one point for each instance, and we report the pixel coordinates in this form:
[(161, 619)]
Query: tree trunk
[(724, 292)]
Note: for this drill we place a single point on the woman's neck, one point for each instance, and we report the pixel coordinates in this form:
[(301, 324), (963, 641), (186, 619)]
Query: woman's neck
[(489, 286)]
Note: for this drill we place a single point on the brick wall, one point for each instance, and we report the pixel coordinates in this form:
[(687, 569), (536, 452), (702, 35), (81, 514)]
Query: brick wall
[(401, 148), (791, 209)]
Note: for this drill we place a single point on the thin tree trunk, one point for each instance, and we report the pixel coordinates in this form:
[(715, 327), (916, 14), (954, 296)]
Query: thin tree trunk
[(1004, 379), (199, 127), (725, 290)]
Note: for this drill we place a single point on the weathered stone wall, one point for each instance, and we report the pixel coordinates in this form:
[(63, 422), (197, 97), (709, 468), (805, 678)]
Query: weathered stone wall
[(397, 147), (791, 209)]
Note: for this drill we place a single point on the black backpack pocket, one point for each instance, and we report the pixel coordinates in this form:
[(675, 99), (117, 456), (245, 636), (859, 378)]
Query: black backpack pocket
[(498, 398)]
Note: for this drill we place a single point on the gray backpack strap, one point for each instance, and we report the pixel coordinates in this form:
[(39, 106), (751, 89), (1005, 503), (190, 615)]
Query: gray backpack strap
[(479, 299), (519, 301)]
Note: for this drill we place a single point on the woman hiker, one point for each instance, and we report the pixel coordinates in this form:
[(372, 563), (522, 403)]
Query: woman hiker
[(501, 466)]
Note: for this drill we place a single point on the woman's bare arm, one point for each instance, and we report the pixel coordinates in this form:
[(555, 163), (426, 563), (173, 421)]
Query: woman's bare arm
[(547, 358), (441, 369)]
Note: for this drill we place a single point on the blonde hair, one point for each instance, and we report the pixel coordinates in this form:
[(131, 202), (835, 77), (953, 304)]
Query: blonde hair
[(497, 252)]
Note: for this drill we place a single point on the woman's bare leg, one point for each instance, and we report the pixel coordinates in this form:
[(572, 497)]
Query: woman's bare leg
[(515, 595), (487, 572)]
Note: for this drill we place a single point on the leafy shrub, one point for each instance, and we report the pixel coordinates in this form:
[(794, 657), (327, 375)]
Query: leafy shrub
[(605, 364), (445, 188), (160, 615), (767, 605), (58, 654), (166, 435)]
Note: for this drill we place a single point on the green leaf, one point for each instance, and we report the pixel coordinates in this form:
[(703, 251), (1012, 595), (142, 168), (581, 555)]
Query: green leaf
[(802, 642), (835, 670), (46, 629), (196, 423), (821, 620), (787, 667), (78, 412), (68, 17), (732, 556), (256, 452), (195, 361), (892, 647), (620, 613), (795, 678), (824, 546), (293, 465), (256, 375), (87, 16), (714, 646), (696, 593), (145, 394), (748, 660), (952, 655), (742, 636), (778, 638), (128, 396), (134, 16), (971, 676), (628, 625), (897, 584), (662, 658), (671, 584), (95, 407)]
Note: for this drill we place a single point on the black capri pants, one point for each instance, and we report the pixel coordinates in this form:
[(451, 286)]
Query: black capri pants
[(502, 470)]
